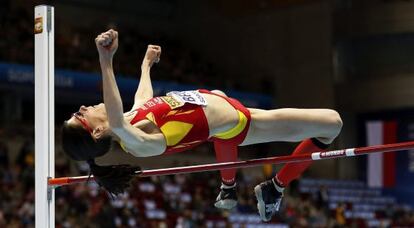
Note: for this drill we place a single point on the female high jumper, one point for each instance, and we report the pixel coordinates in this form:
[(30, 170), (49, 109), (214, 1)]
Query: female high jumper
[(181, 120)]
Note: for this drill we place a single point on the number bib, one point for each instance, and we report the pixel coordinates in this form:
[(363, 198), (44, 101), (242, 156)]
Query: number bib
[(190, 96)]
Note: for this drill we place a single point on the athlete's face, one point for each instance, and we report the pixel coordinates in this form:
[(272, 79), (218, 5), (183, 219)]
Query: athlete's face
[(89, 117)]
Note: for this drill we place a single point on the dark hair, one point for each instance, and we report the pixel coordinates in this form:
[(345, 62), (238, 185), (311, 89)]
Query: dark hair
[(78, 144)]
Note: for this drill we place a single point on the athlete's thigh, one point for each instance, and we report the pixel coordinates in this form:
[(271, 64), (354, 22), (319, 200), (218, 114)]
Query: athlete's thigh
[(290, 125), (256, 134)]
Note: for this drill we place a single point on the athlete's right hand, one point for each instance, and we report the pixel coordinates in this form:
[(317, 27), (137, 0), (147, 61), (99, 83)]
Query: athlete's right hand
[(107, 43), (152, 55)]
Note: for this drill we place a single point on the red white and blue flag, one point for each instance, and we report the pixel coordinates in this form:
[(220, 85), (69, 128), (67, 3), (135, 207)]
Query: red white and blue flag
[(381, 167)]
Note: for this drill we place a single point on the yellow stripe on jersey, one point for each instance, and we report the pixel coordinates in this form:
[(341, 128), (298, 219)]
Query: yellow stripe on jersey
[(175, 131), (235, 130)]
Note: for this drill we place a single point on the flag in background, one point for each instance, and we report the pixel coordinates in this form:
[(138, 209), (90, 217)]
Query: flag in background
[(381, 167)]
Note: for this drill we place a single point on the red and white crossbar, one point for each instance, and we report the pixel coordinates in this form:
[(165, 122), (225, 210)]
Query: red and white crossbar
[(55, 182)]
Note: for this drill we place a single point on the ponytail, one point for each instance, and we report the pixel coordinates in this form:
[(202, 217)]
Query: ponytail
[(113, 178)]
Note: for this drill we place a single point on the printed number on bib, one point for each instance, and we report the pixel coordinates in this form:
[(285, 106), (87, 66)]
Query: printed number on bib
[(191, 96)]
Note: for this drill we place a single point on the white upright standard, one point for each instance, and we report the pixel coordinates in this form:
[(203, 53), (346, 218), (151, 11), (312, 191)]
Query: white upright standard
[(44, 115)]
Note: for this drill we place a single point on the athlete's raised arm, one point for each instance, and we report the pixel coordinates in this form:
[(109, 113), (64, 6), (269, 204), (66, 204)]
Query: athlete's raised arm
[(135, 140), (144, 91), (107, 44)]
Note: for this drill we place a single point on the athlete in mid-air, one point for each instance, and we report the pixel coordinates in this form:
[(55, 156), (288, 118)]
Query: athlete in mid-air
[(181, 120)]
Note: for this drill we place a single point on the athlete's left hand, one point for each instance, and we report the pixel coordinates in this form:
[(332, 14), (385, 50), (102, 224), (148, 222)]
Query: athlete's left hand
[(152, 55)]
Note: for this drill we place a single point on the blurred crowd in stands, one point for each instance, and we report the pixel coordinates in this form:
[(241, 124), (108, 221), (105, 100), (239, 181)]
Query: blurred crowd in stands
[(171, 201), (75, 50)]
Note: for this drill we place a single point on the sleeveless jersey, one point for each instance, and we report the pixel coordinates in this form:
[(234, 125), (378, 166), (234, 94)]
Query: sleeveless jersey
[(179, 116)]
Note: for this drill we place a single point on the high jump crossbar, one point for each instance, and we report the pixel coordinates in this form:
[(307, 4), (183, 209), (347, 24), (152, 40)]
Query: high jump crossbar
[(56, 182)]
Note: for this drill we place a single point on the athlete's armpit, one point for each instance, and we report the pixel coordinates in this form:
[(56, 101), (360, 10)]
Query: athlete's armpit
[(139, 143)]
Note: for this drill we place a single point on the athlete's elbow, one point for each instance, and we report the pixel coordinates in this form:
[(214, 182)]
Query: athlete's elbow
[(144, 152), (140, 154)]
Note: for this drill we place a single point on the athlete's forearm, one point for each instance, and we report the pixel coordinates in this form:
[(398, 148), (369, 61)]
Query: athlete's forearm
[(112, 97), (144, 90)]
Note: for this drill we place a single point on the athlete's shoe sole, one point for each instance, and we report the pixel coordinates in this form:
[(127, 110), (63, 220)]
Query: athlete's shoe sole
[(227, 204), (261, 204)]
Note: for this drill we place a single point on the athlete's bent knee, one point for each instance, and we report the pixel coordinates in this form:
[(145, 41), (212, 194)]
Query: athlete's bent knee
[(335, 124)]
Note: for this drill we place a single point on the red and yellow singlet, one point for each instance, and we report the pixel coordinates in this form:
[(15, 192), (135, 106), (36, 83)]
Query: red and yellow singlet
[(182, 121)]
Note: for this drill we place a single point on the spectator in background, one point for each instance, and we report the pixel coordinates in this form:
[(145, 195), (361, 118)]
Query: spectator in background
[(322, 198), (3, 222), (340, 215), (26, 154), (4, 156)]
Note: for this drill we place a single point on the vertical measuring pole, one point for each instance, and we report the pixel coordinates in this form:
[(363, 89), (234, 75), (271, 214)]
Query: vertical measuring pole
[(44, 115)]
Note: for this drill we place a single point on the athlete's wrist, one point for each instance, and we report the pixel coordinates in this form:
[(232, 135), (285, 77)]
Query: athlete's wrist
[(105, 59), (146, 64)]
